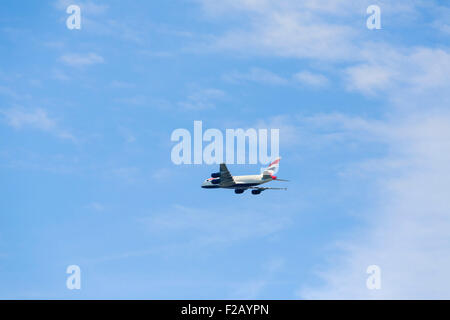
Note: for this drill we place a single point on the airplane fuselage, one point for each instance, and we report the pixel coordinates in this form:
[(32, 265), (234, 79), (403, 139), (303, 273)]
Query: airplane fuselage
[(241, 182)]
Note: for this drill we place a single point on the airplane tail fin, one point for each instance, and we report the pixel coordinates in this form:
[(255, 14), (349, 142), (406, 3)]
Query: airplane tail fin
[(272, 169)]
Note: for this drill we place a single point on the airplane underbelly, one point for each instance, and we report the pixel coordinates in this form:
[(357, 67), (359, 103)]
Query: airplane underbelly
[(248, 180)]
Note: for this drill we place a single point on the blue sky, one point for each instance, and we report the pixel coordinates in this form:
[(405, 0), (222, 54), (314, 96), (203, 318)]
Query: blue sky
[(87, 179)]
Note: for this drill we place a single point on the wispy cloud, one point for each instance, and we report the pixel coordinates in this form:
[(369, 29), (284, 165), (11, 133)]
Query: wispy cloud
[(59, 75), (266, 77), (182, 228), (202, 99), (206, 227), (288, 28), (35, 119), (441, 21), (129, 175), (406, 231), (81, 60), (88, 7), (94, 20), (96, 206), (396, 71), (127, 134), (253, 288), (257, 75), (7, 91), (122, 84), (311, 79), (136, 100)]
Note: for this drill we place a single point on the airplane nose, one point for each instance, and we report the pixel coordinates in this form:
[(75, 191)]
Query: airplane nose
[(206, 184)]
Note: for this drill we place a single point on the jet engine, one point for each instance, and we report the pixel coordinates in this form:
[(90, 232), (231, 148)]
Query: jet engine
[(215, 175), (215, 181)]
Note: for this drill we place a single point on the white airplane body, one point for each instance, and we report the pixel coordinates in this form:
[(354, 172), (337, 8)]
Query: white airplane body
[(224, 179)]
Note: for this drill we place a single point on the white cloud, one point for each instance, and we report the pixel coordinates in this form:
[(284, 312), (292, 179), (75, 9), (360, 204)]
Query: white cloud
[(369, 79), (6, 91), (443, 27), (88, 7), (206, 227), (136, 100), (163, 174), (37, 119), (202, 99), (129, 175), (311, 79), (288, 35), (13, 94), (54, 44), (406, 231), (332, 30), (182, 228), (257, 75), (249, 290), (80, 60), (127, 134), (300, 29), (264, 7), (253, 288), (59, 75), (122, 84), (95, 21), (395, 71), (262, 76), (96, 206), (441, 16)]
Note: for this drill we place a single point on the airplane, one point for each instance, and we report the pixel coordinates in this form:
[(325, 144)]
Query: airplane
[(224, 179)]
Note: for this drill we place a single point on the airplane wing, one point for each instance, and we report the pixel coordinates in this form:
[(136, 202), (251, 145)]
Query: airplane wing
[(266, 188), (226, 179)]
